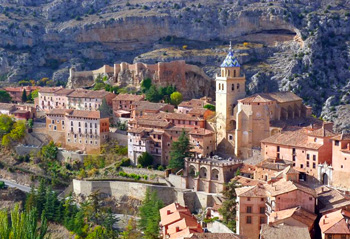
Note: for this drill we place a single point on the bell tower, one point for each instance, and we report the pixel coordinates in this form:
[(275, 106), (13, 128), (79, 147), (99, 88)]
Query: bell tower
[(230, 87)]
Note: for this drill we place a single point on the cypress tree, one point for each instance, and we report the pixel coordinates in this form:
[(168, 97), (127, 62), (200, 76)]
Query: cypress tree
[(24, 95), (180, 149)]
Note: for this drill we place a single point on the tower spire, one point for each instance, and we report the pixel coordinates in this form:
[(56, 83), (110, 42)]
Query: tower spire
[(230, 46)]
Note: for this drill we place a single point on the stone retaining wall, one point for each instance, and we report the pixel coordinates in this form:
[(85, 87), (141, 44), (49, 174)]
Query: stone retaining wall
[(143, 171)]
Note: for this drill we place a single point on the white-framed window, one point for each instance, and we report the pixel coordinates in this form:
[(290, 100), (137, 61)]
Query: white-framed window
[(55, 128)]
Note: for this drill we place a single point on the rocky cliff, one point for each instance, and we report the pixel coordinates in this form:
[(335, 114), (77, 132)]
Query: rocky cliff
[(298, 45)]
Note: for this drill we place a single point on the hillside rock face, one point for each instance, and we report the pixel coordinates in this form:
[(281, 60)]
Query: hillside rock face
[(306, 45)]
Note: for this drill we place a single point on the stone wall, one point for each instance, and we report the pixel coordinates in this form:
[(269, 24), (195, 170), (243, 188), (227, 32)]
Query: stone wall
[(25, 149), (120, 189), (70, 156), (122, 139)]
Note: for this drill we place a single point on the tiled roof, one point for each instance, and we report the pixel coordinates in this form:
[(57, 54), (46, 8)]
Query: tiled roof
[(129, 97), (81, 93), (298, 213), (322, 132), (201, 131), (284, 231), (64, 91), (280, 97), (194, 103), (197, 111), (335, 223), (214, 236), (230, 60), (146, 122), (244, 181), (282, 187), (342, 137), (58, 112), (20, 112), (294, 138), (84, 114), (6, 106), (247, 168), (331, 199), (49, 89), (258, 190), (178, 116), (145, 105)]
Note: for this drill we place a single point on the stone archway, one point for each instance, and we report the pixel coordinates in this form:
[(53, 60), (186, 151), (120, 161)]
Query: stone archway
[(203, 172), (215, 174)]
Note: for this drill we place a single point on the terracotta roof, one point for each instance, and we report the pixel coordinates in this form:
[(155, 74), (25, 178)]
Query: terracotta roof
[(258, 190), (21, 88), (342, 137), (58, 112), (198, 111), (297, 213), (282, 187), (247, 168), (244, 181), (335, 222), (294, 138), (214, 236), (20, 111), (171, 208), (288, 170), (178, 116), (331, 199), (322, 132), (257, 98), (282, 97), (146, 122), (145, 105), (81, 93), (64, 91), (49, 89), (284, 231), (6, 106), (129, 97), (84, 114), (201, 131), (300, 122), (194, 103)]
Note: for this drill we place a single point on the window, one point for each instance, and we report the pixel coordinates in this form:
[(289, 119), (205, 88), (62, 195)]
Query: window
[(341, 166), (314, 157), (308, 156), (262, 210), (71, 123), (249, 209), (57, 121), (336, 143), (301, 166), (219, 86), (294, 158), (294, 151), (54, 128), (307, 164), (313, 165), (230, 137), (223, 87), (237, 86), (310, 198), (248, 199), (261, 199), (315, 139), (52, 121), (278, 148), (262, 220), (79, 124), (233, 87), (343, 236), (62, 122), (249, 220), (95, 125), (329, 237)]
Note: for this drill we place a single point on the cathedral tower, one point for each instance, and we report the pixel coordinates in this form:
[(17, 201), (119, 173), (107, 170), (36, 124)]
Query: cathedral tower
[(230, 87)]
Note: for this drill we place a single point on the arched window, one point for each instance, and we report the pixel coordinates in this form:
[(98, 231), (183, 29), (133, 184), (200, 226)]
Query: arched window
[(233, 87), (237, 86)]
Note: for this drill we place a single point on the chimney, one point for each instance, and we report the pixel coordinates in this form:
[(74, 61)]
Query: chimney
[(324, 220), (177, 229), (168, 212)]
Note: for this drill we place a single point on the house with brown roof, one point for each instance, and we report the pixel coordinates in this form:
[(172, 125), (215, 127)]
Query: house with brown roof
[(283, 231), (331, 199), (17, 92), (187, 106), (122, 104), (77, 129), (335, 225), (178, 222), (141, 108), (305, 148)]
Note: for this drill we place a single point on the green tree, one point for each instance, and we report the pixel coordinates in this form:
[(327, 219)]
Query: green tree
[(228, 207), (176, 98), (49, 151), (149, 215), (6, 124), (209, 107), (153, 95), (24, 95), (146, 84), (145, 159), (35, 93), (131, 231), (30, 123), (180, 149), (5, 97), (105, 109)]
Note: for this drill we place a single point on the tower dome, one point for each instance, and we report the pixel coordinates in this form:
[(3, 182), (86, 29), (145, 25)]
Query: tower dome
[(230, 60)]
